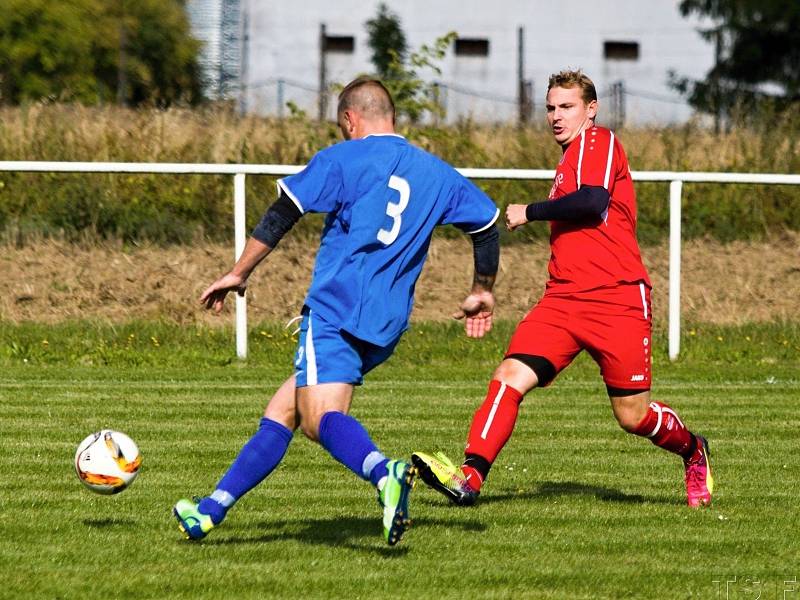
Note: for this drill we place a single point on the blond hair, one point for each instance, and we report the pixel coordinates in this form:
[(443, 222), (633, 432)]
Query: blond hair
[(571, 79)]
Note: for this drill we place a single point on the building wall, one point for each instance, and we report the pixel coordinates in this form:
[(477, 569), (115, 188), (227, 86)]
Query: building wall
[(283, 57), (218, 26)]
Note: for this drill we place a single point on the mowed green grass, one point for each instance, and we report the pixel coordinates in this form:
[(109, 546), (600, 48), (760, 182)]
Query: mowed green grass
[(574, 507)]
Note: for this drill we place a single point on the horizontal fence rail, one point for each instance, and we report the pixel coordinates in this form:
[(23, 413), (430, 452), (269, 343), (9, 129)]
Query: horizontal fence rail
[(676, 180)]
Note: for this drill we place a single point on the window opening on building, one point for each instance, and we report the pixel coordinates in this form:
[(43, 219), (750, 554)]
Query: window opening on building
[(472, 47), (340, 43), (621, 50)]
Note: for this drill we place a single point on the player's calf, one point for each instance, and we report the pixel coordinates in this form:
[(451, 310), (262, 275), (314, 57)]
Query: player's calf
[(662, 426)]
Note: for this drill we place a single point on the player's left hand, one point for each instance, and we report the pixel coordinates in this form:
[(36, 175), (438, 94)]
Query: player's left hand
[(477, 310), (515, 216)]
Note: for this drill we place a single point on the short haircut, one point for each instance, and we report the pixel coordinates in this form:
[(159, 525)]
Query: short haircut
[(369, 97), (571, 79)]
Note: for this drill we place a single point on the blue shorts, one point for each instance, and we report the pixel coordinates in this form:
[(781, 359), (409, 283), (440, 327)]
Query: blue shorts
[(326, 354)]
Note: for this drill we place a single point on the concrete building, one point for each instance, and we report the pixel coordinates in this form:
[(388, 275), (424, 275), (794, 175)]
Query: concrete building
[(628, 47), (219, 25)]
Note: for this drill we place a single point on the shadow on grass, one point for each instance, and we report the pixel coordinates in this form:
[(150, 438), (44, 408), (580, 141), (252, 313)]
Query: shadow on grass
[(106, 523), (549, 489), (362, 534)]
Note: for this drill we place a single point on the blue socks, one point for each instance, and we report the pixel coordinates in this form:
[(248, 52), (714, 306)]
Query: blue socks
[(340, 434), (349, 443), (257, 459)]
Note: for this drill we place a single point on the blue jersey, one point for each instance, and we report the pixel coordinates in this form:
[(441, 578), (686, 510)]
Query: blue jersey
[(383, 197)]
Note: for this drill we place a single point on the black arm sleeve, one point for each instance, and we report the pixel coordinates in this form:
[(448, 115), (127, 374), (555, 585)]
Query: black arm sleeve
[(486, 250), (588, 202), (277, 221)]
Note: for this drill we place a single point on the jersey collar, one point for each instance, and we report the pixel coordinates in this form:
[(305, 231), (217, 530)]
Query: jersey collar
[(383, 135)]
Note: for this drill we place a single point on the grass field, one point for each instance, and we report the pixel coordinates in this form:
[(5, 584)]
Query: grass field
[(574, 508)]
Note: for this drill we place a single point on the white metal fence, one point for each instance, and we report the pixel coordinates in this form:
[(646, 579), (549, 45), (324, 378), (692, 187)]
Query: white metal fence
[(676, 180)]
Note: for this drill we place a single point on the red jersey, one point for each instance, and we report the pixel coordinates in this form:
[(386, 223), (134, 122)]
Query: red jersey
[(584, 256)]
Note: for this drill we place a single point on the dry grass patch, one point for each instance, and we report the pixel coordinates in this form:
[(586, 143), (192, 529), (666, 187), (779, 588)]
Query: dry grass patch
[(52, 281)]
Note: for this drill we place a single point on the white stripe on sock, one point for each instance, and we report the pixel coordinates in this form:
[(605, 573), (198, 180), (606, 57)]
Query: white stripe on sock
[(371, 460), (492, 412), (224, 498), (656, 408), (674, 414)]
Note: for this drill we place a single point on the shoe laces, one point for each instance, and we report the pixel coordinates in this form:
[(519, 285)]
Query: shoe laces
[(442, 458), (456, 478)]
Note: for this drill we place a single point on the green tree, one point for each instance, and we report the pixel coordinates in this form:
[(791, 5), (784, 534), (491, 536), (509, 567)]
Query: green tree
[(162, 55), (89, 50), (413, 96), (46, 50), (400, 70), (386, 39), (758, 43)]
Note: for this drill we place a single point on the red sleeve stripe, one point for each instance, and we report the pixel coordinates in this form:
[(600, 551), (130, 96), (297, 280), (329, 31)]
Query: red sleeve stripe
[(608, 162)]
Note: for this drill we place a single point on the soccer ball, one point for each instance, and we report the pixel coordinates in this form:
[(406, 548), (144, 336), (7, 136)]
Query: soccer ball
[(107, 461)]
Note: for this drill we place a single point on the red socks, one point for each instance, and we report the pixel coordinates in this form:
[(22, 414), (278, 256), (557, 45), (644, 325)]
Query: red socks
[(494, 422), (490, 430), (662, 425)]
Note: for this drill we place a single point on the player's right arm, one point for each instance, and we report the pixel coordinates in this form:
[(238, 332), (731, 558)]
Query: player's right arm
[(277, 221), (314, 189), (587, 203), (596, 170)]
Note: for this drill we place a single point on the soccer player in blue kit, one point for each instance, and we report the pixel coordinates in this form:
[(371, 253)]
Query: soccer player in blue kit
[(383, 197)]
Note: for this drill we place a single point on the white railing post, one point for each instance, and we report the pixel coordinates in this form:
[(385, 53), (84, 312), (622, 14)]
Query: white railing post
[(674, 335), (239, 240), (240, 171)]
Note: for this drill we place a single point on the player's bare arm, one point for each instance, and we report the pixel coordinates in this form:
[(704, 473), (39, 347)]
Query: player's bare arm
[(276, 222), (477, 309), (236, 280)]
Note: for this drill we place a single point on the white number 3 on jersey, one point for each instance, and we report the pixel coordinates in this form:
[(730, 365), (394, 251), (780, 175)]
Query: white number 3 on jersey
[(395, 209)]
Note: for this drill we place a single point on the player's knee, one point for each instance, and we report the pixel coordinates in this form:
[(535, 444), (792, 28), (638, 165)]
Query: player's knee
[(286, 416), (629, 406), (525, 371), (627, 420)]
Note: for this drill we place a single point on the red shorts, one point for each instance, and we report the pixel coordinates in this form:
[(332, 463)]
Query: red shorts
[(612, 324)]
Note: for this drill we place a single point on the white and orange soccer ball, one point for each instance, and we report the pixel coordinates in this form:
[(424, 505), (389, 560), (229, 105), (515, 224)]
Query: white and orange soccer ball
[(107, 461)]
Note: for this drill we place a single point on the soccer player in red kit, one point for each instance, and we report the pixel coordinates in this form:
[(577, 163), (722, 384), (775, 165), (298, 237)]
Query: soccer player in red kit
[(596, 299)]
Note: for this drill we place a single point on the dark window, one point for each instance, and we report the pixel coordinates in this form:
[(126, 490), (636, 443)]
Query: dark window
[(621, 50), (340, 43), (472, 47)]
